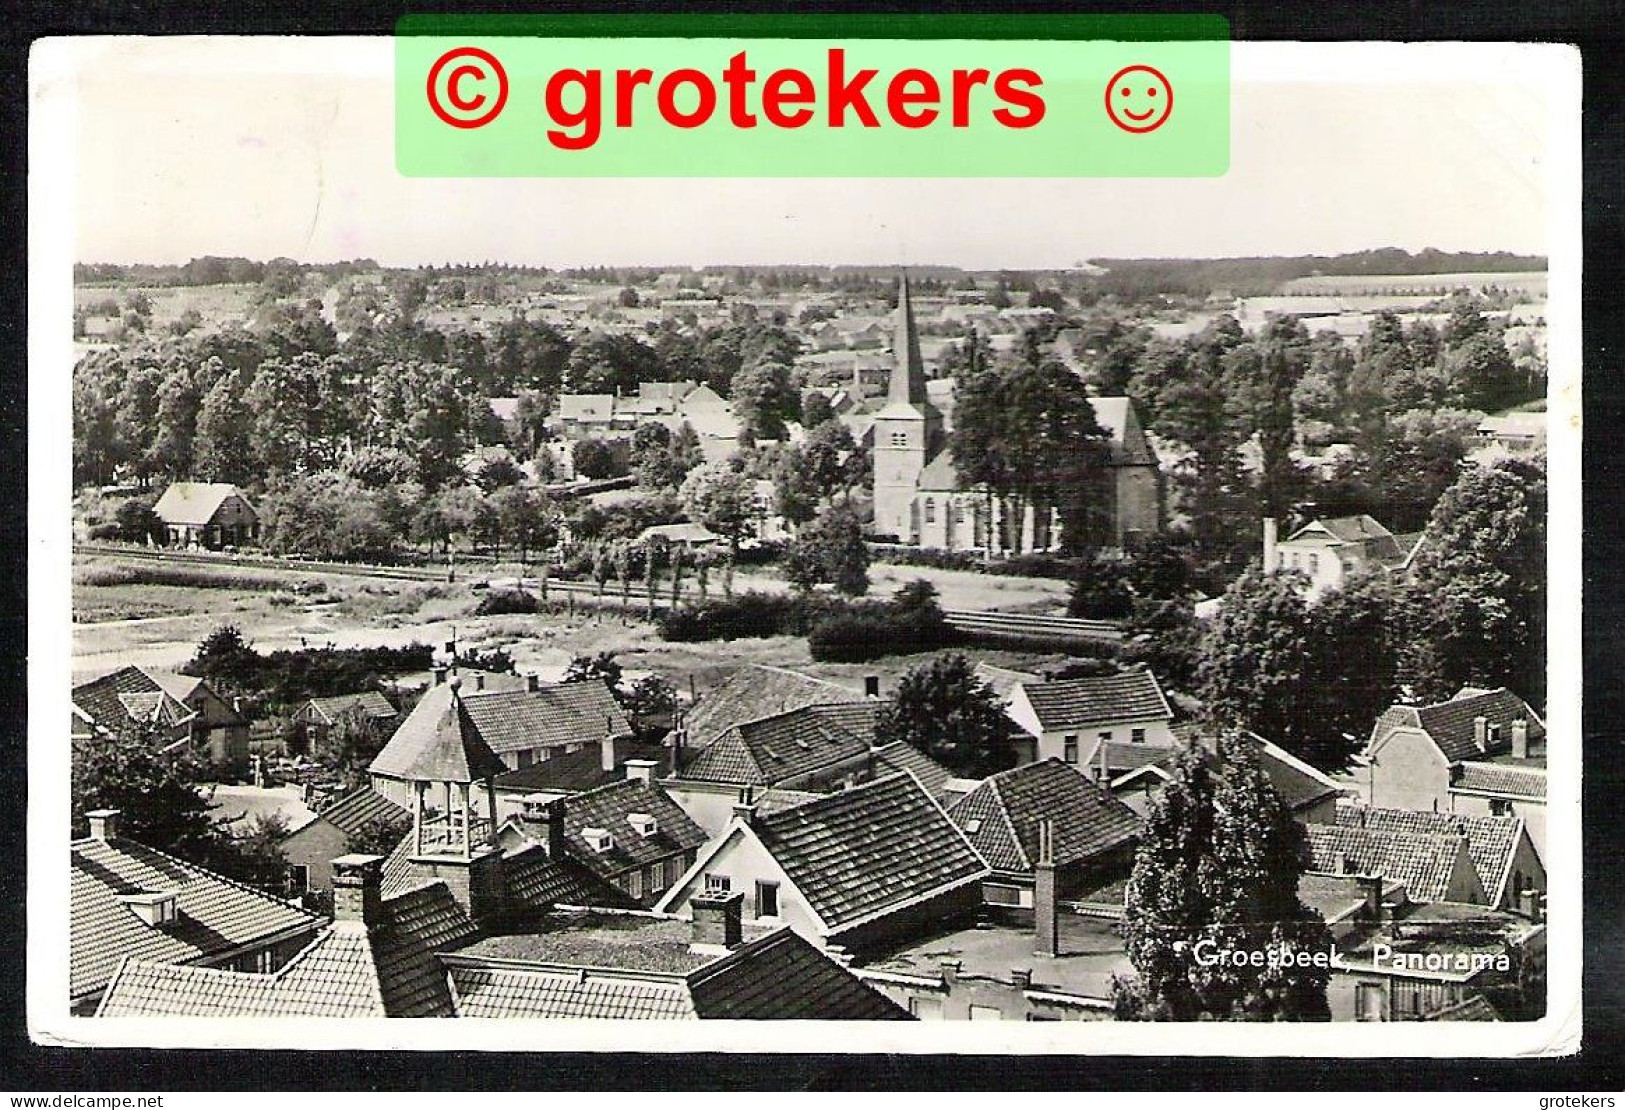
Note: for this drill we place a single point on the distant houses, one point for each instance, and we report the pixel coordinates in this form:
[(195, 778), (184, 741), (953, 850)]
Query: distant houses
[(183, 712), (1330, 552)]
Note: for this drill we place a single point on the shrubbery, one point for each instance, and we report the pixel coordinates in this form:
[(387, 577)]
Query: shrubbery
[(501, 603), (745, 616), (1032, 565), (858, 632)]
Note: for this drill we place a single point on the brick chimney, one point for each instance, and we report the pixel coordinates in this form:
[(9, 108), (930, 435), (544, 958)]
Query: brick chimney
[(479, 680), (1021, 978), (1046, 920), (103, 824), (641, 770), (1520, 739), (1481, 733), (718, 920), (949, 969), (358, 889), (745, 806), (533, 682)]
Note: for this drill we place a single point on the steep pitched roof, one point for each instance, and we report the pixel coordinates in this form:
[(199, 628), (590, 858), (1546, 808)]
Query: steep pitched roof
[(786, 746), (903, 756), (438, 742), (1001, 816), (195, 502), (1491, 841), (610, 807), (939, 475), (1424, 862), (568, 713), (353, 811), (779, 976), (572, 772), (369, 703), (1528, 783), (213, 914), (347, 971), (1299, 784), (869, 850), (1102, 699), (531, 880), (1450, 723), (1344, 529), (754, 691), (128, 695)]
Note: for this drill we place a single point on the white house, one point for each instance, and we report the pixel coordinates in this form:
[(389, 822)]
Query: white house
[(1105, 725)]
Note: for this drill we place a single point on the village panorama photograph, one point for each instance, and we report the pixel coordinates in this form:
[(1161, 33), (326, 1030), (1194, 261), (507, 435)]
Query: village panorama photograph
[(815, 600)]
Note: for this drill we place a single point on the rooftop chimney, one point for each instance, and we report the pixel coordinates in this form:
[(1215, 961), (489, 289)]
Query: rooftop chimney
[(1021, 978), (950, 971), (642, 770), (1045, 911), (103, 824), (533, 682), (718, 920), (745, 805), (358, 889), (871, 686), (1481, 733), (1270, 538), (609, 755), (1520, 739)]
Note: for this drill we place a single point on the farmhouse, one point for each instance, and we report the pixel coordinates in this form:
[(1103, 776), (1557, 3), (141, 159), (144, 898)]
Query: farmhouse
[(207, 514)]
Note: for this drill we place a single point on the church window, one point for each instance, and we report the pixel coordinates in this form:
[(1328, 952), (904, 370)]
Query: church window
[(961, 512), (930, 510), (899, 439)]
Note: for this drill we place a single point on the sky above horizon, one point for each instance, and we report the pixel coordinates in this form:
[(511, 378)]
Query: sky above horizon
[(266, 148)]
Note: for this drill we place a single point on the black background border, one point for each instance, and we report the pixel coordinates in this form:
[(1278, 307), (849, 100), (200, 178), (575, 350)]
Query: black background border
[(1597, 28)]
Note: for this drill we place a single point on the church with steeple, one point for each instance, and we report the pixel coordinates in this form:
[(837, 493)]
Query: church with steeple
[(918, 498)]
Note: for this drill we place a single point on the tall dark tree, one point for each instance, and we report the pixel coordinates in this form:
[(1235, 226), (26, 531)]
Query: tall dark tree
[(830, 549), (948, 713), (1217, 873)]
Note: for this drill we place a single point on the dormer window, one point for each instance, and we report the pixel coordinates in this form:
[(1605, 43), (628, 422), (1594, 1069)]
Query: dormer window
[(156, 908), (644, 824), (599, 840)]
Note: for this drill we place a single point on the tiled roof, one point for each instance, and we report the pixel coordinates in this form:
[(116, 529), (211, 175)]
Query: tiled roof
[(369, 703), (213, 914), (1422, 861), (753, 692), (530, 879), (194, 502), (860, 852), (573, 772), (569, 713), (1004, 679), (356, 809), (645, 970), (438, 742), (1498, 778), (609, 807), (1450, 723), (1005, 810), (1491, 841), (1103, 699), (105, 701), (786, 746), (1349, 529), (393, 971), (900, 755)]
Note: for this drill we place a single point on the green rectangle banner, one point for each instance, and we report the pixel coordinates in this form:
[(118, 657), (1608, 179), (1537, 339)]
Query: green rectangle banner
[(812, 96)]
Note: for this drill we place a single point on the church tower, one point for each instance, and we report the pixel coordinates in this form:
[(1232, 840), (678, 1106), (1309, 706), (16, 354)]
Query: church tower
[(908, 431)]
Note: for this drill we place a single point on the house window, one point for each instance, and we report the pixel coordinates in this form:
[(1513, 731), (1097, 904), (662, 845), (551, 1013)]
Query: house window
[(926, 1009), (960, 512), (899, 439), (1106, 737), (634, 884), (718, 884), (995, 895), (1136, 735), (1500, 807), (767, 899), (1070, 748), (298, 878), (986, 1013), (1314, 564), (571, 749), (930, 510), (526, 758)]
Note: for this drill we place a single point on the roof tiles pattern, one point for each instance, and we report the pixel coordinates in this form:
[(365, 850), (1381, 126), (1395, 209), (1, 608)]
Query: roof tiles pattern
[(609, 807), (1103, 699), (569, 713), (857, 853), (1422, 861), (1451, 723), (1527, 783), (369, 703), (753, 692), (1087, 820), (1491, 841), (786, 746), (353, 811), (438, 742)]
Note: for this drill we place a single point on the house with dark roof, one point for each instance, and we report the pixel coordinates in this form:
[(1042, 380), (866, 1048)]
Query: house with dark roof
[(330, 833), (1330, 552), (750, 693), (566, 773), (207, 514), (1433, 867), (130, 901), (630, 834), (1094, 833), (1103, 724), (854, 869), (184, 711), (1483, 752), (1308, 792), (1509, 869), (316, 717), (379, 957), (646, 967), (519, 727)]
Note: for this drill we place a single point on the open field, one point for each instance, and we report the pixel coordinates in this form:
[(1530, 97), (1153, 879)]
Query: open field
[(217, 304), (1533, 282)]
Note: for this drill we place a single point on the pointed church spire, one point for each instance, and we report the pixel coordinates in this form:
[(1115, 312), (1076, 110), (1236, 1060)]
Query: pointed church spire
[(908, 369)]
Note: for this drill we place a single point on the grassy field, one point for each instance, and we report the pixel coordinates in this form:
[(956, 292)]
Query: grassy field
[(1533, 282)]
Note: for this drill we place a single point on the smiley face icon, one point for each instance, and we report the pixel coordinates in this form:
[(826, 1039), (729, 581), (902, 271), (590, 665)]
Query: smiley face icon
[(1139, 99)]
